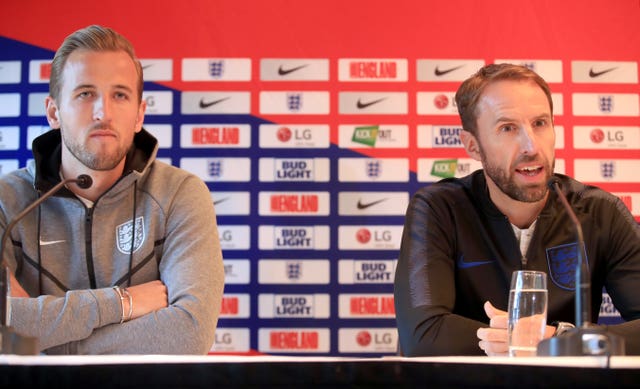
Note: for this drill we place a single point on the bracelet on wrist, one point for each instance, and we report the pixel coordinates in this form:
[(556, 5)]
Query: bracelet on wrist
[(123, 293)]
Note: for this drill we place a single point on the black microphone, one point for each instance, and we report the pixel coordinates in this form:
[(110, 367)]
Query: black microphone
[(585, 339), (13, 343), (582, 281)]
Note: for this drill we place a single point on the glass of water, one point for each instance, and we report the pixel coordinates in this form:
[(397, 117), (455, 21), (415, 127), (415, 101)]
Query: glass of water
[(527, 312)]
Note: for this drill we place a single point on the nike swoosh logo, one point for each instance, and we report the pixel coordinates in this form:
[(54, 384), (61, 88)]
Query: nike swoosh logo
[(594, 74), (439, 72), (50, 242), (462, 264), (362, 105), (284, 72), (147, 66), (216, 202), (211, 103), (362, 205)]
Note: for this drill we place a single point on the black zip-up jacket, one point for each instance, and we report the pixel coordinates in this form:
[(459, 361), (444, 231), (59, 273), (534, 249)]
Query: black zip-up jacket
[(458, 251)]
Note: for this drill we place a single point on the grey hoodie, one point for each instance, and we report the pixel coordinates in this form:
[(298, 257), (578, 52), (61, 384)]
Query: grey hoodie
[(68, 257)]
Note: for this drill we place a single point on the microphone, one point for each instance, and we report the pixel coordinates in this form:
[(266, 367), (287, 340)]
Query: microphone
[(585, 339), (12, 343), (582, 281)]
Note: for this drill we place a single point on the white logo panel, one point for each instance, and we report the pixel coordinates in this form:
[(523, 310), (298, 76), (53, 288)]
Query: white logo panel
[(216, 69), (293, 271), (313, 306), (373, 170), (378, 237), (372, 203), (373, 69), (294, 136), (219, 169), (293, 237), (294, 169), (293, 203), (366, 271), (234, 237)]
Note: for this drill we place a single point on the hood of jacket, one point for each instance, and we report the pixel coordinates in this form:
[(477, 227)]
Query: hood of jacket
[(47, 154)]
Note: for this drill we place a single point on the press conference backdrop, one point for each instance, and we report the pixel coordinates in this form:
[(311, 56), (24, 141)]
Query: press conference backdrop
[(313, 122)]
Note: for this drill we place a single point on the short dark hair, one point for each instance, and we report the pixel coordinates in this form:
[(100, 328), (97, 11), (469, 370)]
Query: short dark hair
[(469, 92), (91, 38)]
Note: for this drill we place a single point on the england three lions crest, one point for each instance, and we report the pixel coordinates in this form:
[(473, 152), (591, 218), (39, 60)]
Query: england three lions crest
[(125, 234)]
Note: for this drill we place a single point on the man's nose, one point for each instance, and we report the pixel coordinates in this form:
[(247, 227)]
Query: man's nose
[(101, 109)]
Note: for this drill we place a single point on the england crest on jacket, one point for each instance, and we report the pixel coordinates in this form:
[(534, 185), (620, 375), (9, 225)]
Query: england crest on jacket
[(125, 235)]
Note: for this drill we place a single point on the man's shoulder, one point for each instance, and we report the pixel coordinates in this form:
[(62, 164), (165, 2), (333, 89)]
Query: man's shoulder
[(453, 187)]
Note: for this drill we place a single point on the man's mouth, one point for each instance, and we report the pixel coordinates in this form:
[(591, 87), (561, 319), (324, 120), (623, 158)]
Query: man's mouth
[(530, 170)]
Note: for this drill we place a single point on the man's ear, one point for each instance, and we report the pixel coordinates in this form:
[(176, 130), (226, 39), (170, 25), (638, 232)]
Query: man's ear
[(471, 145), (51, 110), (140, 118)]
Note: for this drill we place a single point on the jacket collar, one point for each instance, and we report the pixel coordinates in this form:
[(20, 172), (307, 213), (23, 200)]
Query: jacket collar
[(47, 154)]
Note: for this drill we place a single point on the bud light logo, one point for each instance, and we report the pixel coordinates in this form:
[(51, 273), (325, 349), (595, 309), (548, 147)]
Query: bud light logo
[(373, 272), (607, 309), (293, 306), (293, 237), (294, 170), (447, 137)]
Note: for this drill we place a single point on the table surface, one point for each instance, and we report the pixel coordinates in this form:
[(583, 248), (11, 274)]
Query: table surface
[(164, 371)]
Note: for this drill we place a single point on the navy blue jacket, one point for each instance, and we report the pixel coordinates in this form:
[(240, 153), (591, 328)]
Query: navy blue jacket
[(458, 251)]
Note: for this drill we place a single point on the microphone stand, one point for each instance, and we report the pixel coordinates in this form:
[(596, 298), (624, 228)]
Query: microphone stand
[(585, 339), (11, 341)]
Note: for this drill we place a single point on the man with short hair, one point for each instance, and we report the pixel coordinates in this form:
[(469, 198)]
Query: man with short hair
[(131, 264), (464, 237)]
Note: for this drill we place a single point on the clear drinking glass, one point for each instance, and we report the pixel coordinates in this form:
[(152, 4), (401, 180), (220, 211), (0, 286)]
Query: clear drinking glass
[(527, 312)]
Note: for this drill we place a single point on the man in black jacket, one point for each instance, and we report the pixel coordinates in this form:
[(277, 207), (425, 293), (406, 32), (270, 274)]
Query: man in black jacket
[(464, 237)]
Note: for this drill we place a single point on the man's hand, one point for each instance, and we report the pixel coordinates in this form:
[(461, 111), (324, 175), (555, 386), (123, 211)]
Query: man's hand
[(494, 340), (146, 298)]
